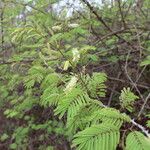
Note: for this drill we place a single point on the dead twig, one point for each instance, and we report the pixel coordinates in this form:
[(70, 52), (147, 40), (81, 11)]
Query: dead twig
[(124, 81), (128, 76), (112, 92), (143, 106), (121, 13)]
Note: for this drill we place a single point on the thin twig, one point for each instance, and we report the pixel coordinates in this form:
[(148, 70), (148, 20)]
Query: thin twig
[(13, 62), (2, 24), (143, 106), (130, 79), (139, 76), (112, 92), (22, 61), (141, 127), (124, 81), (121, 13)]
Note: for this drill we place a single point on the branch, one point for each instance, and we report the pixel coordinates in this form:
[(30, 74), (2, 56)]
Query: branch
[(141, 127), (143, 106), (124, 81), (121, 13), (12, 62), (99, 18), (128, 76), (95, 13), (22, 61), (112, 92), (2, 25)]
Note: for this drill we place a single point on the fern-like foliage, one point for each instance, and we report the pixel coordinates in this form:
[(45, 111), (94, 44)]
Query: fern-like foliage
[(127, 99), (81, 110), (51, 80), (97, 137), (137, 141), (35, 74), (51, 91), (109, 116), (21, 105), (71, 102), (96, 84), (81, 120)]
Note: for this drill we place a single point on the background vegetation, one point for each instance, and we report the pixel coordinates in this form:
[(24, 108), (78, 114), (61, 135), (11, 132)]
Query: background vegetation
[(75, 82)]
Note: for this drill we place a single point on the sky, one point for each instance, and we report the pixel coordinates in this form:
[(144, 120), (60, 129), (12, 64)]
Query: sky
[(72, 5)]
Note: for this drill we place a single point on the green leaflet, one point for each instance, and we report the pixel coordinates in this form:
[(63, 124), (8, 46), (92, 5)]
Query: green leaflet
[(137, 141), (127, 98), (96, 84), (97, 137), (110, 116)]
